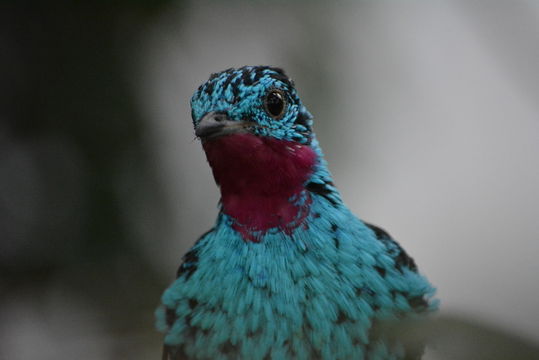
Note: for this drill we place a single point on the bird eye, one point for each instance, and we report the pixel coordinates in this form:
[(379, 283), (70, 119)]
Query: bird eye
[(275, 103)]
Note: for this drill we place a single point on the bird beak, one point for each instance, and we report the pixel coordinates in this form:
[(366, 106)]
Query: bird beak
[(216, 124)]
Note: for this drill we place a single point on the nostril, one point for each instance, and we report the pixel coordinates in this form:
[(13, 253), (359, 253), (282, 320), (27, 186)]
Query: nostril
[(220, 117)]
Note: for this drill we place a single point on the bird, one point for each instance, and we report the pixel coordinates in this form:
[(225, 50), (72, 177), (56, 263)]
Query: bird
[(287, 271)]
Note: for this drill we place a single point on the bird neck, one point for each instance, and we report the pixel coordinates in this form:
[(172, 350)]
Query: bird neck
[(262, 181)]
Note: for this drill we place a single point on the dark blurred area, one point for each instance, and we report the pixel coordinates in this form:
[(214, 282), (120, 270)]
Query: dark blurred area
[(73, 166)]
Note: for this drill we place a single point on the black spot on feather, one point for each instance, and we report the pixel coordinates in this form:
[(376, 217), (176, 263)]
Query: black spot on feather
[(302, 119), (277, 70), (418, 303), (190, 259), (322, 190), (236, 89), (228, 348), (259, 72), (189, 266), (213, 76), (246, 77), (280, 75), (193, 303), (170, 317), (284, 79), (188, 320), (209, 87), (365, 291), (401, 258), (380, 271), (227, 81), (341, 318), (336, 241)]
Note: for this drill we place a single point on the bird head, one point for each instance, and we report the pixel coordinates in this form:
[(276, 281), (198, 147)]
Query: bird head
[(255, 131), (259, 100)]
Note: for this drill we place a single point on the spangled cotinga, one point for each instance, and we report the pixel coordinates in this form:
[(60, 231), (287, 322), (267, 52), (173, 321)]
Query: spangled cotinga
[(287, 272)]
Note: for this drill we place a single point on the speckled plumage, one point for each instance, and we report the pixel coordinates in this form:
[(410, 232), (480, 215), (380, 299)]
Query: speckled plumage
[(313, 287)]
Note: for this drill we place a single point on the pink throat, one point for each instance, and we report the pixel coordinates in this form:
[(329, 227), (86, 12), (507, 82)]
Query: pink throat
[(258, 177)]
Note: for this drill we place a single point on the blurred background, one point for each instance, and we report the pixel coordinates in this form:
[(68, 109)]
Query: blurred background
[(428, 113)]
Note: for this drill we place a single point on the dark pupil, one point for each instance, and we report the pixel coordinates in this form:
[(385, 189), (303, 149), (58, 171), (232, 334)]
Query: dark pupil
[(275, 103)]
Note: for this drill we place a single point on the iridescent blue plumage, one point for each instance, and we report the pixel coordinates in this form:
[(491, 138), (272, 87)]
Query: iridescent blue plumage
[(303, 279)]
